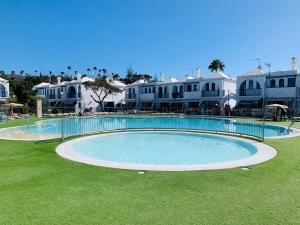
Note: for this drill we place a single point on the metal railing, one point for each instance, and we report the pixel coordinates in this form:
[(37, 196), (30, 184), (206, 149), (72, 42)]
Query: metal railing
[(250, 92), (130, 96), (73, 126), (215, 93), (240, 121)]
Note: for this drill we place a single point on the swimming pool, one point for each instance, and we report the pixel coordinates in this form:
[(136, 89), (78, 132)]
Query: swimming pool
[(165, 150), (52, 128)]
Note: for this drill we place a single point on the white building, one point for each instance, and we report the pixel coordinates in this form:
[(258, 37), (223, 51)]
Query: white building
[(74, 95), (257, 87), (4, 90), (187, 93)]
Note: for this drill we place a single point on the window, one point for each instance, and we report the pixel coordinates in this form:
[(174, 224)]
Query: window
[(166, 89), (146, 90), (251, 84), (79, 91), (273, 83), (291, 82), (160, 90), (189, 88), (2, 91), (281, 83), (149, 90), (153, 90), (195, 87), (243, 88), (175, 89), (181, 89), (207, 87), (58, 93), (257, 85), (213, 86)]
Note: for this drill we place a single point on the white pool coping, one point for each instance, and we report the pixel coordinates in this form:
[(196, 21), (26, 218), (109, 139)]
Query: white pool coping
[(264, 153)]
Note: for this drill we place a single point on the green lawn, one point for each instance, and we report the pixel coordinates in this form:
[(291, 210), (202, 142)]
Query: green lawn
[(39, 187), (19, 122)]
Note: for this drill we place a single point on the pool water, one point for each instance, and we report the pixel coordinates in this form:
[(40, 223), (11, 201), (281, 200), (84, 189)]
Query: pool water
[(163, 148), (81, 125)]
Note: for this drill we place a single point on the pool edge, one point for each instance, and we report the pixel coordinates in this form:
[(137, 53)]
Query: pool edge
[(263, 154)]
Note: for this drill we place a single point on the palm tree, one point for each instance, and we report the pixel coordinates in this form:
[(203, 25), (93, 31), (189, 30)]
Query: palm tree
[(104, 71), (115, 76), (88, 70), (75, 72), (2, 73), (69, 69), (35, 72), (50, 74), (22, 72), (95, 70), (216, 65), (62, 73)]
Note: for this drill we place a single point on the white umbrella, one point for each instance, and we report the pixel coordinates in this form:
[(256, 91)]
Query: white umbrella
[(277, 106)]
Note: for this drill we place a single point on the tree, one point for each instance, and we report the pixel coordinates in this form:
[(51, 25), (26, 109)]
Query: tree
[(69, 70), (2, 73), (22, 72), (95, 70), (62, 73), (101, 89), (50, 74), (88, 71), (216, 65), (115, 76)]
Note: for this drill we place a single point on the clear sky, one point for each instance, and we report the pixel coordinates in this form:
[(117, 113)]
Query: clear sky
[(172, 36)]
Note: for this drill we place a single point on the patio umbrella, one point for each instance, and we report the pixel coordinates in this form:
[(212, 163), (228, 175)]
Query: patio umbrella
[(277, 106), (13, 105)]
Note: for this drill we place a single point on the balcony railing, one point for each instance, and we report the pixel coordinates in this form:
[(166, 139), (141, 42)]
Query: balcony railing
[(71, 95), (162, 95), (250, 92), (216, 93), (130, 96)]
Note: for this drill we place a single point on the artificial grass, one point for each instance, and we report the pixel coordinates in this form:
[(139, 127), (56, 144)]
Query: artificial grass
[(39, 187), (19, 122)]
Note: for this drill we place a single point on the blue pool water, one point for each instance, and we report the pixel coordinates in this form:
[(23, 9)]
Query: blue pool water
[(163, 148), (80, 125)]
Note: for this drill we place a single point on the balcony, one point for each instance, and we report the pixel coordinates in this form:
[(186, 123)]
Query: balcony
[(71, 95), (130, 96), (163, 95), (250, 92), (147, 96), (217, 93), (192, 95)]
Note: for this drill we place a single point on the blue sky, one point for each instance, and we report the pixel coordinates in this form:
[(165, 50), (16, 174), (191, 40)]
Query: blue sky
[(172, 36)]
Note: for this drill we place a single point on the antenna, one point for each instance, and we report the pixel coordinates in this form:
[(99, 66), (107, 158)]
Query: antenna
[(258, 60), (268, 65)]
